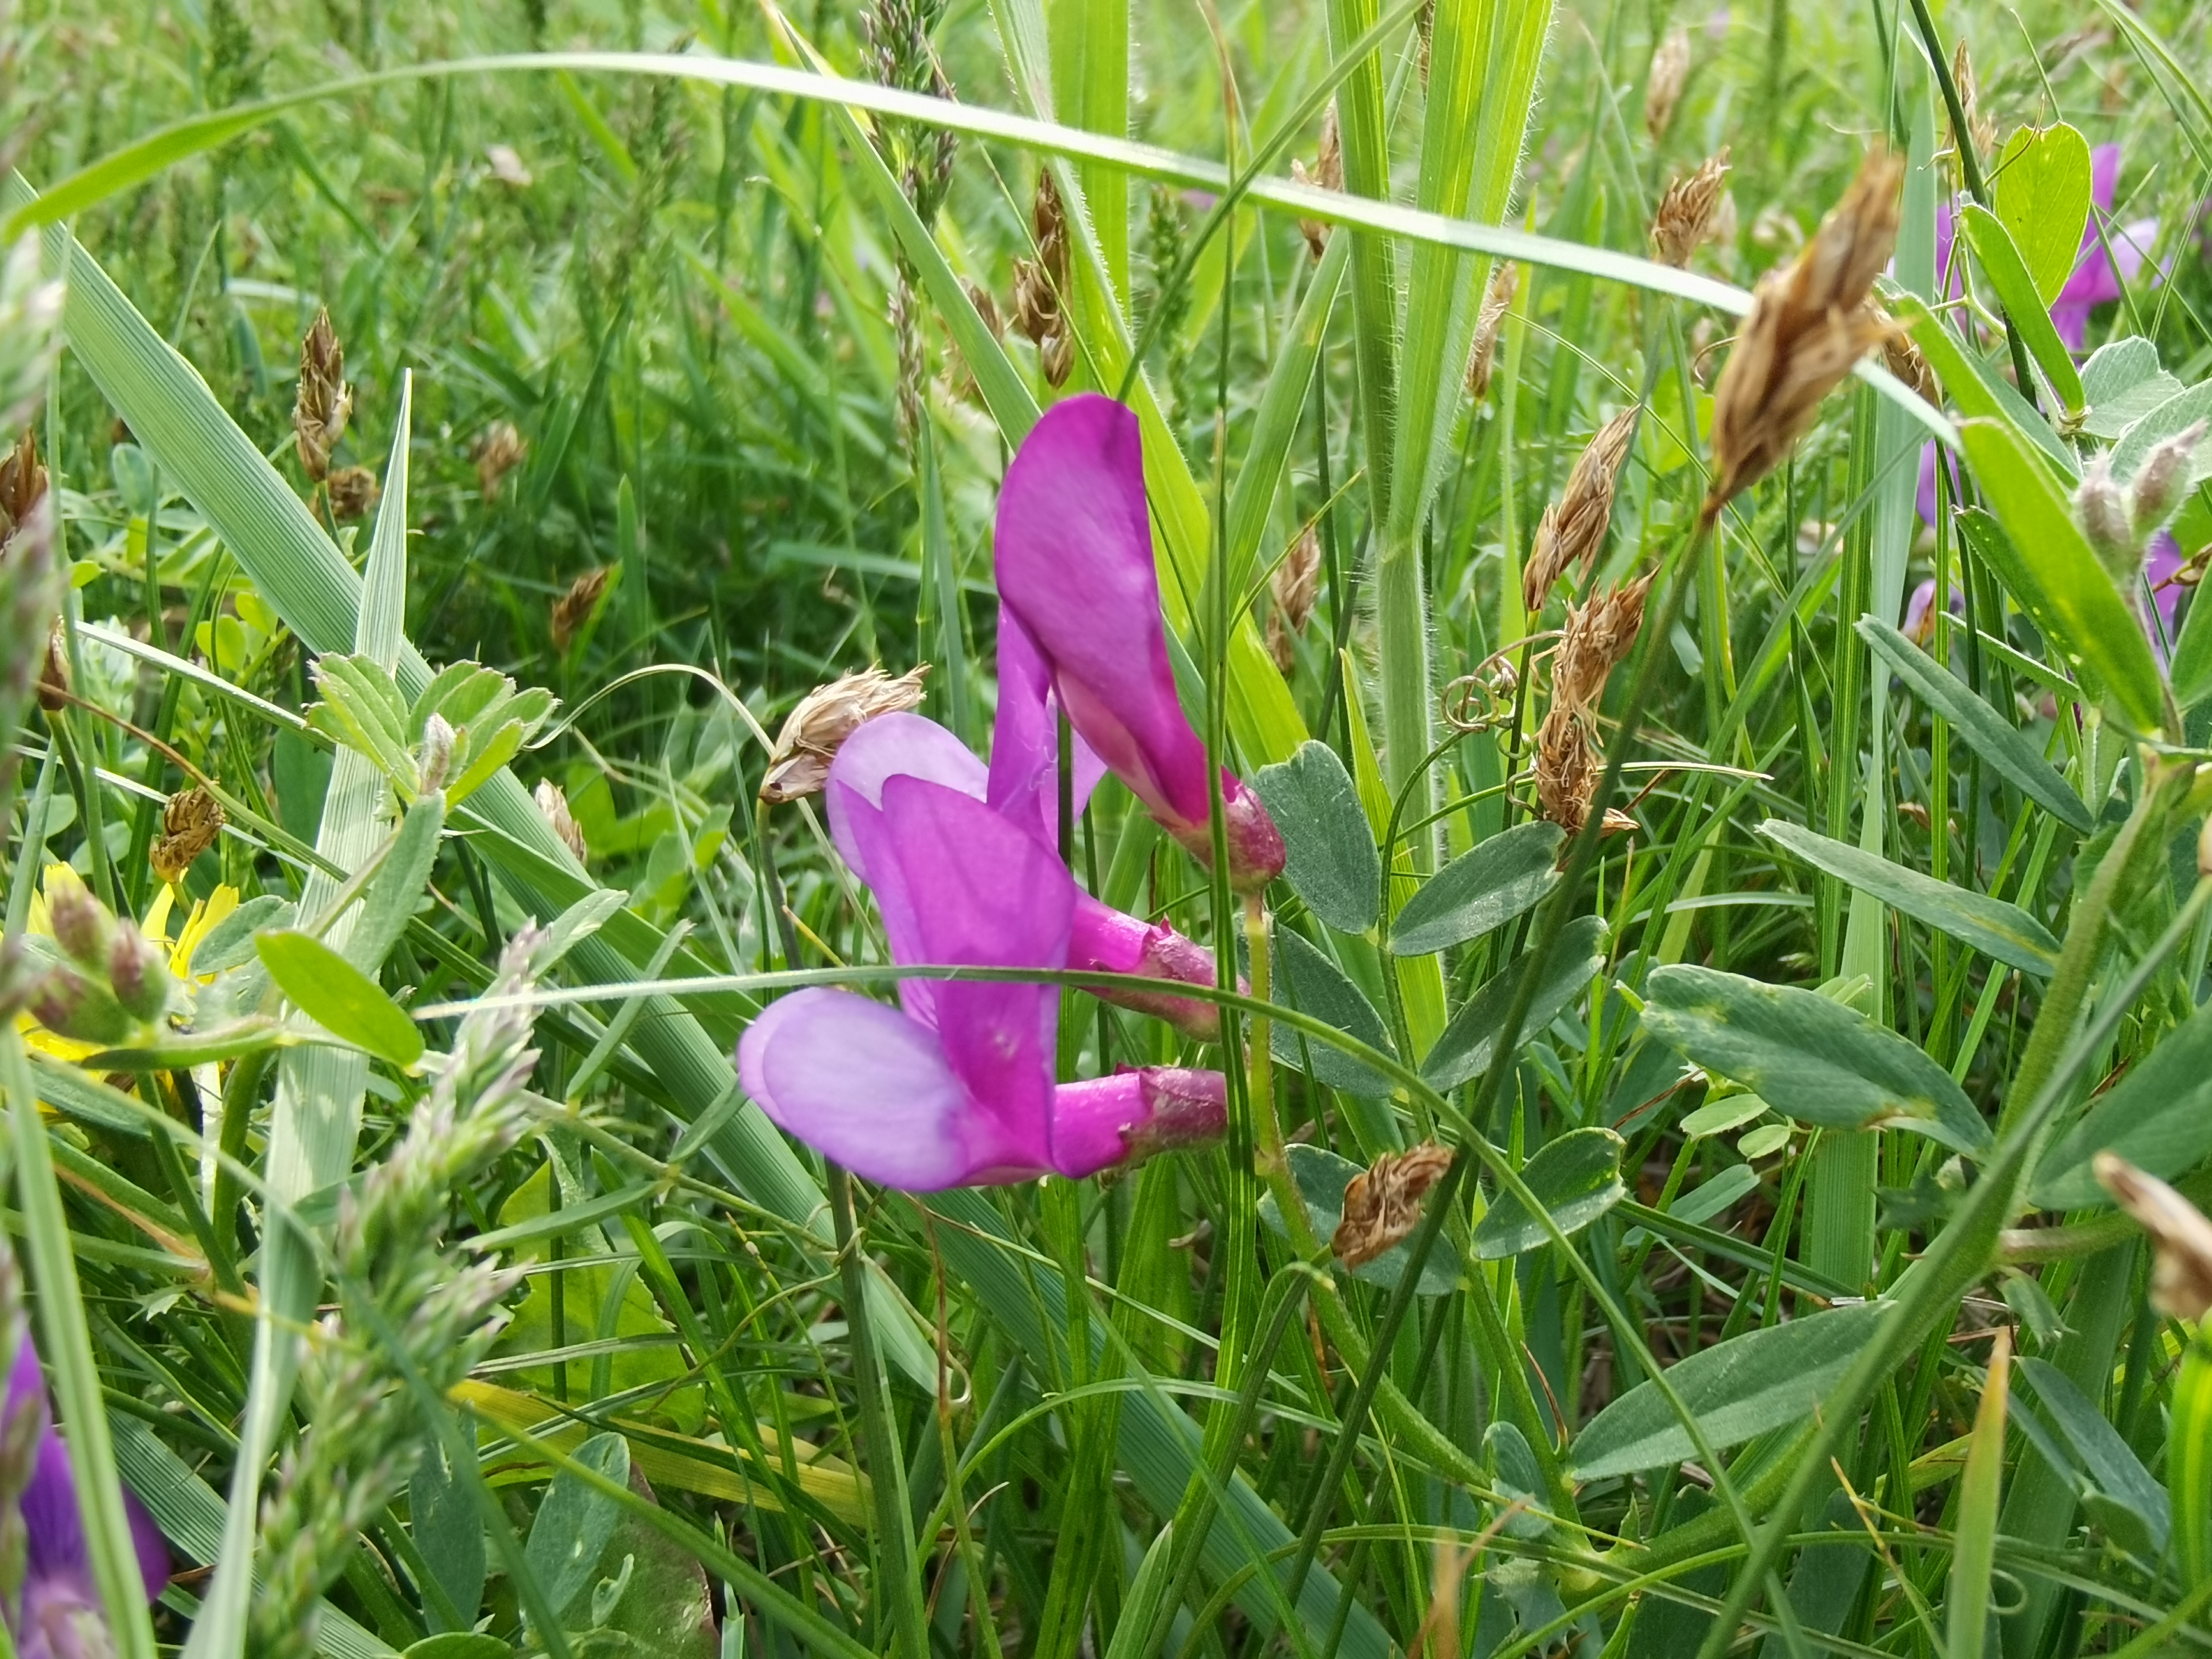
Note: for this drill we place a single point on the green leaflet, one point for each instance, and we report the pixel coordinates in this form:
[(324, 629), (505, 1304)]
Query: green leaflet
[(1479, 890), (2159, 1117), (1809, 1058), (2123, 382), (1332, 863), (339, 997), (1999, 930), (2041, 188), (1761, 1380), (1576, 1178), (1463, 1050), (1309, 981), (1996, 739), (1979, 1487)]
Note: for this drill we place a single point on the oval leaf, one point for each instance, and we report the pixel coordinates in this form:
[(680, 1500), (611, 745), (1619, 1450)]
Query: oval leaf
[(1479, 890), (2007, 272), (2043, 179), (1576, 1178), (339, 997), (2176, 414), (1808, 1057), (1309, 981), (1331, 862), (1463, 1050), (1762, 1380), (2123, 381), (1999, 930)]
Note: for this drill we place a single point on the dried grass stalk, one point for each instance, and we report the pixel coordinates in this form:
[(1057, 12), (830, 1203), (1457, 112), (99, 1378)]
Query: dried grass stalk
[(1810, 323)]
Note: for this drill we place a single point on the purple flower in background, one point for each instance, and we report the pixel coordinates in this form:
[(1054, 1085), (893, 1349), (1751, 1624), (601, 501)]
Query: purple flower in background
[(56, 1615), (2161, 561), (1920, 612), (1021, 786), (958, 1090), (2111, 255), (1074, 554)]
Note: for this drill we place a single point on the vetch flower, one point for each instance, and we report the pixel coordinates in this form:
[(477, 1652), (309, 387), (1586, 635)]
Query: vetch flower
[(55, 1613), (958, 1089), (1021, 785), (1074, 554)]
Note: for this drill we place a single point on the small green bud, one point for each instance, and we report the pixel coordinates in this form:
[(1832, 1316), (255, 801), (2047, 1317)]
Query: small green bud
[(69, 1005), (2102, 512), (434, 759), (139, 974), (2162, 480), (81, 924)]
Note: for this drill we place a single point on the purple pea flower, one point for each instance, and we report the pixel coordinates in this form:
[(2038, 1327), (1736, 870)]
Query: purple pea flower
[(958, 1089), (1074, 554), (56, 1615), (1023, 788)]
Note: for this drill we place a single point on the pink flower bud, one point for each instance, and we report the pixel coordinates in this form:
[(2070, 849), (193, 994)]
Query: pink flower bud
[(71, 1006), (139, 974), (81, 923)]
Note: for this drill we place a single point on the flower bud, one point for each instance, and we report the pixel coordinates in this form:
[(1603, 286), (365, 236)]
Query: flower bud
[(434, 759), (81, 923), (2102, 512), (71, 1006), (139, 974), (2162, 480)]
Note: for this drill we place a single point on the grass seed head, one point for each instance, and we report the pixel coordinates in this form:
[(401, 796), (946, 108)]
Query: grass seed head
[(1810, 323), (1981, 132), (1670, 71), (1327, 174), (1572, 532), (23, 483), (323, 400), (497, 453), (355, 492), (553, 803), (1598, 638), (574, 608), (1496, 301), (1039, 284), (824, 718), (1295, 585), (1687, 215)]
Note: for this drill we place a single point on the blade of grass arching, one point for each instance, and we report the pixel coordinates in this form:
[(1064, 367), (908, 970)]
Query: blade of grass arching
[(316, 1117), (299, 571), (1362, 129), (76, 1375), (1840, 1192), (1090, 89), (1973, 1549)]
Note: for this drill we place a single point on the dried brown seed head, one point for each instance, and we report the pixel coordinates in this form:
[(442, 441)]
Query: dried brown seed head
[(354, 493), (1496, 301), (1598, 638), (323, 400), (1981, 132), (1294, 586), (574, 608), (1572, 533), (2181, 1269), (1382, 1204), (1568, 767), (986, 307), (553, 802), (1327, 174), (824, 718), (1662, 90), (190, 824), (23, 483), (1809, 324), (1040, 284), (1903, 359), (498, 452), (1684, 219), (54, 685)]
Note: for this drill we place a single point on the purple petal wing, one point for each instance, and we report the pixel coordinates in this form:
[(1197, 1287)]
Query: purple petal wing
[(1025, 739), (978, 891), (862, 1083), (1074, 555)]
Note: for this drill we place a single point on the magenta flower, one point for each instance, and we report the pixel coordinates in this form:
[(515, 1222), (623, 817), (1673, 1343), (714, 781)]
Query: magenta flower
[(2161, 560), (1100, 939), (56, 1615), (1074, 555), (958, 1090)]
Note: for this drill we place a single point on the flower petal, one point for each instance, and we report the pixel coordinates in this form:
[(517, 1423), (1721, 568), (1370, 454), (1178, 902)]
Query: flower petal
[(865, 1085), (1025, 738), (1073, 549)]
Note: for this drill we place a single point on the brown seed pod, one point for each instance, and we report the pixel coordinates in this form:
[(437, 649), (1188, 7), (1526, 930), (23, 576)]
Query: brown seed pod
[(1572, 532), (498, 452), (1327, 174), (190, 824), (1809, 323), (1662, 89), (574, 608), (1496, 301), (1382, 1204), (553, 802), (1686, 213), (2181, 1269), (354, 493), (824, 718), (323, 400)]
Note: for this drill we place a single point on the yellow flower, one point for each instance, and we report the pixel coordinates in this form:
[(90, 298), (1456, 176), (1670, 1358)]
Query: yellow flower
[(205, 913)]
